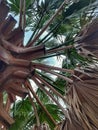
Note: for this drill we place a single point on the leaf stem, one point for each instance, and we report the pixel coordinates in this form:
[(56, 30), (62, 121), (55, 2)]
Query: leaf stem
[(58, 49), (57, 74), (39, 65), (49, 86), (49, 94), (28, 85), (35, 110), (47, 25)]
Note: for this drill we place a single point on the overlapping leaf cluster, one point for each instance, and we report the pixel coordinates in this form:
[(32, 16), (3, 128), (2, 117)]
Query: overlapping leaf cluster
[(82, 92)]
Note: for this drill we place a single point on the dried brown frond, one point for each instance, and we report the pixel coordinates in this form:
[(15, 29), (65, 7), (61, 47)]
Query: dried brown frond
[(82, 98), (87, 40)]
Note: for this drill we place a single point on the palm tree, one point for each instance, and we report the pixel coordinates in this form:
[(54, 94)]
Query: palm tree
[(21, 64)]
